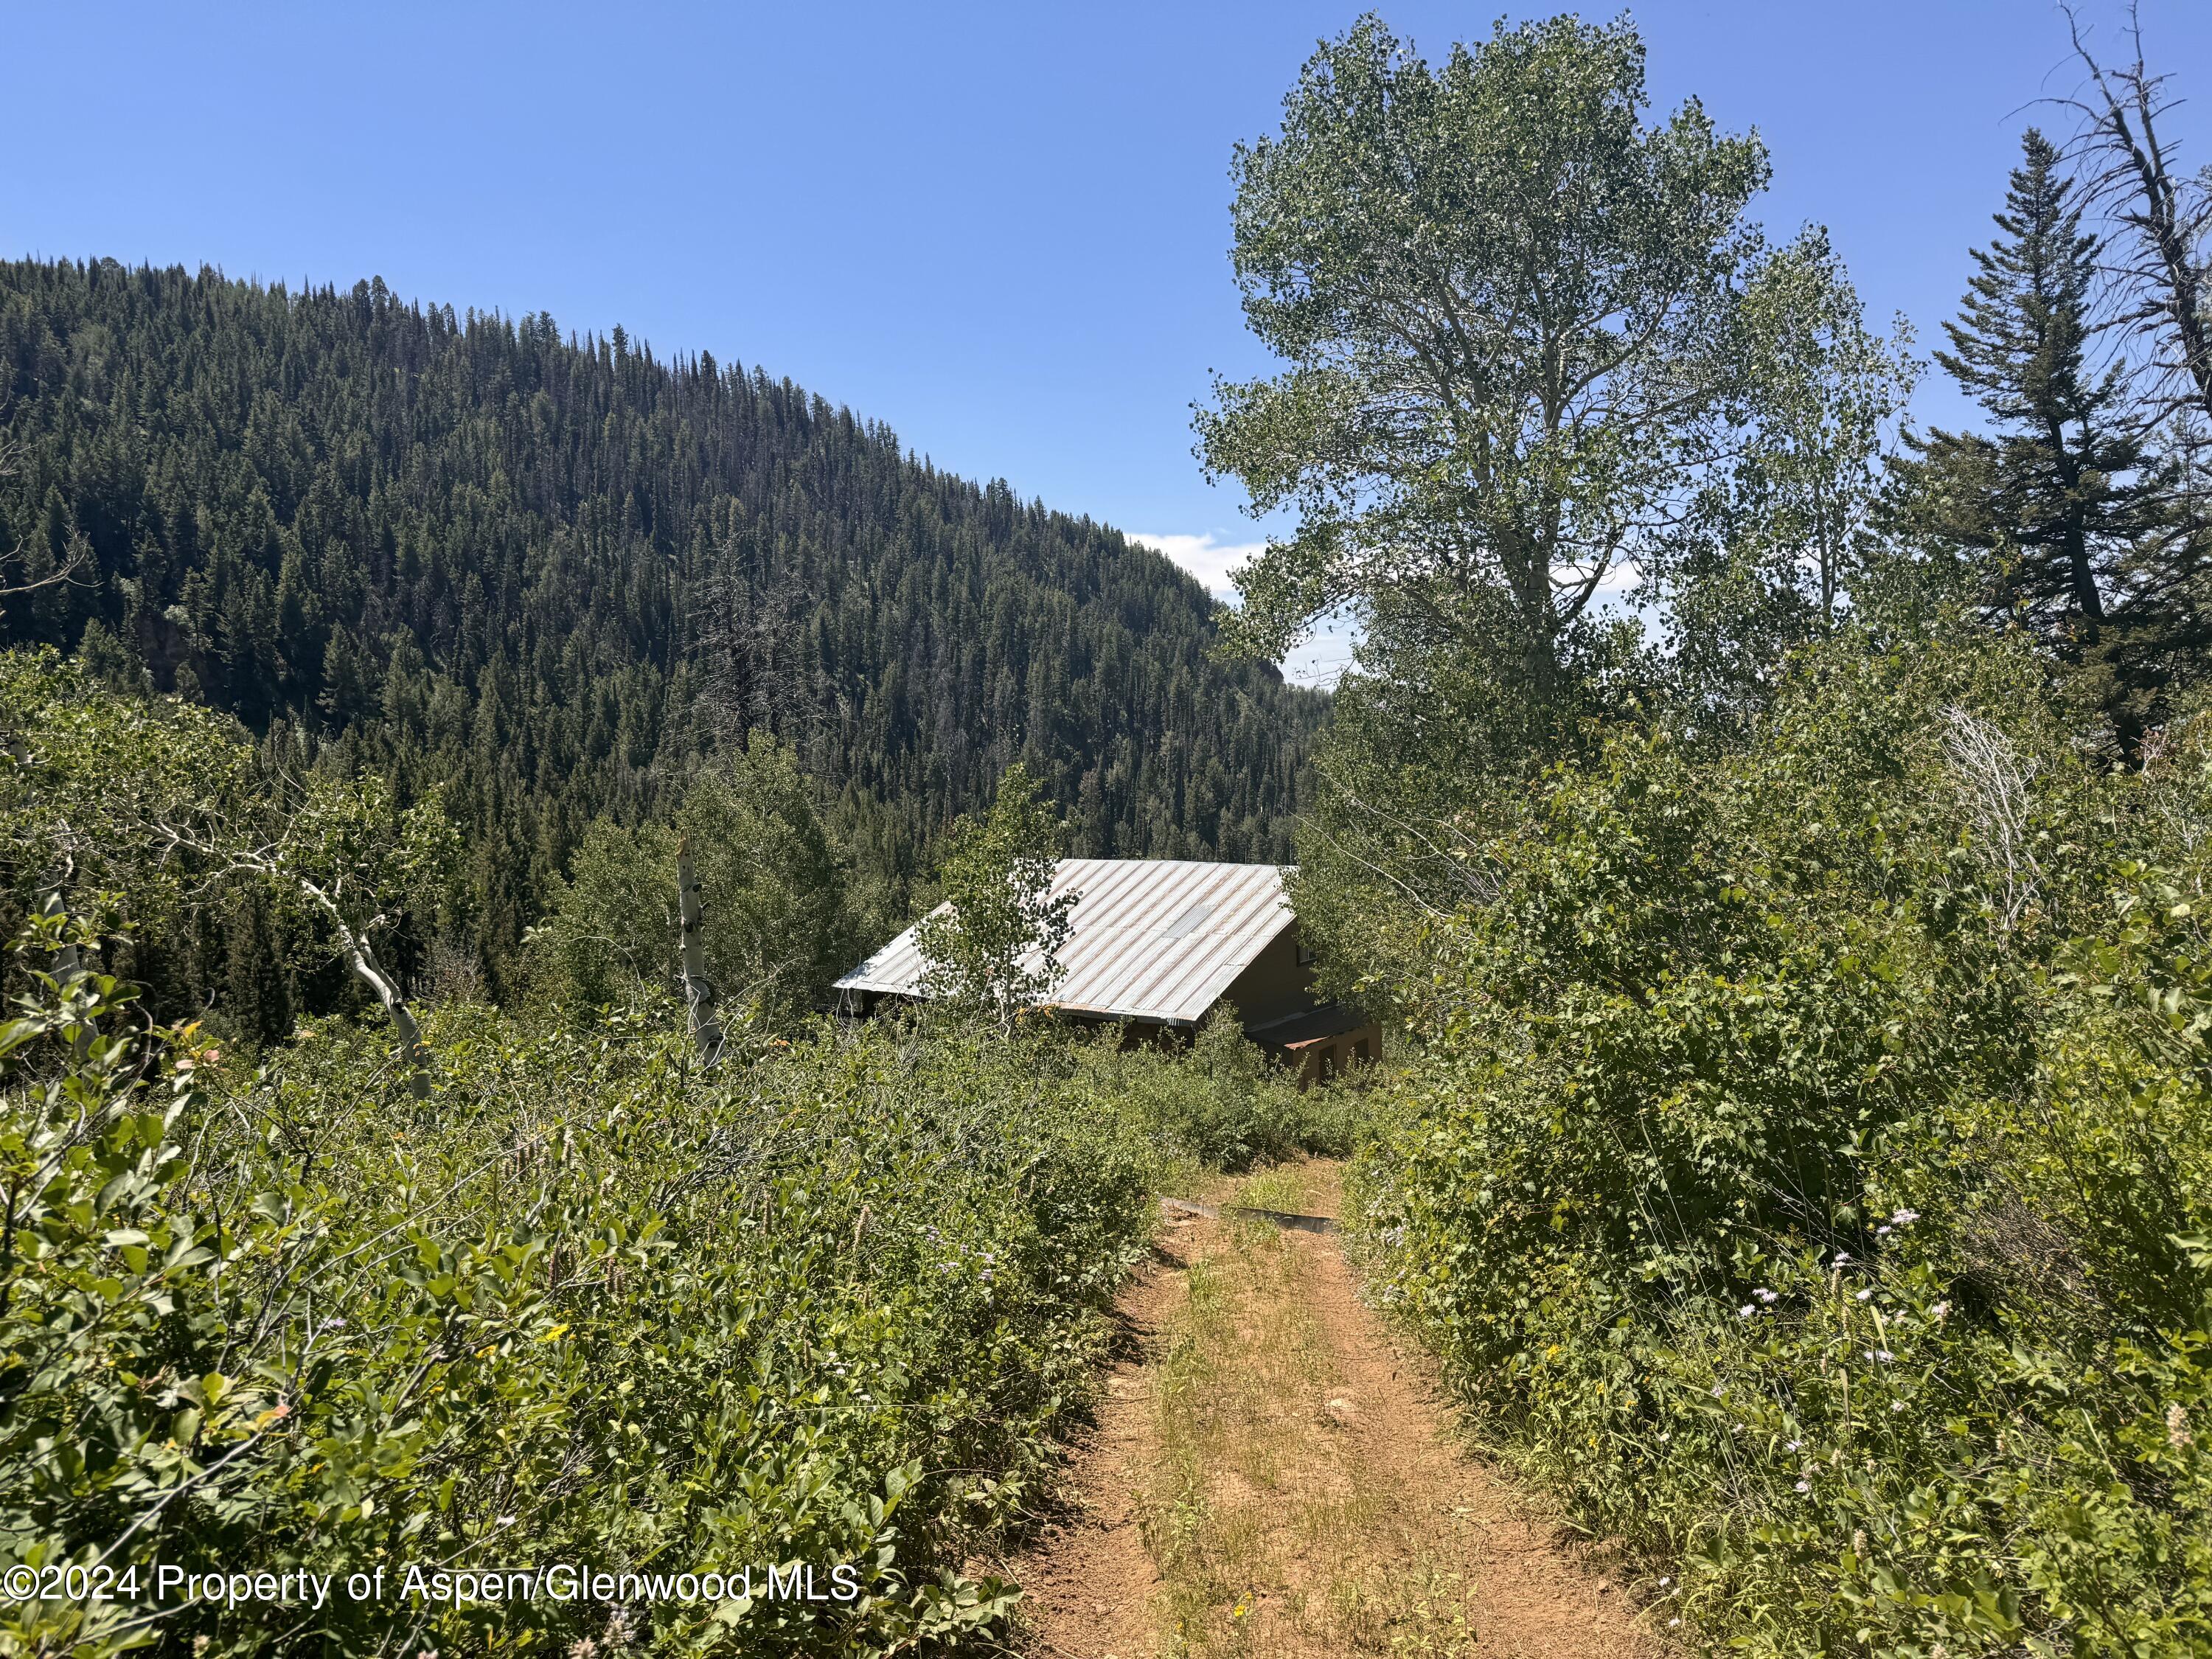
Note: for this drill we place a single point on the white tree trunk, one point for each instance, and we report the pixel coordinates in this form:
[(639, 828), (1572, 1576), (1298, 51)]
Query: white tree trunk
[(414, 1053), (698, 994)]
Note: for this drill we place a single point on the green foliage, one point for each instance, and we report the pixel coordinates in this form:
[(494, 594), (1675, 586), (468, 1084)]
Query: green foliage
[(85, 777), (156, 812), (1506, 305), (829, 1305), (610, 935), (1806, 1172), (1553, 355), (779, 926), (551, 574), (1225, 1104), (993, 946), (1779, 543)]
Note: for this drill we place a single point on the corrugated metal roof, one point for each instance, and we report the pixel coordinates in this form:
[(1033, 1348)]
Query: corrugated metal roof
[(1149, 938)]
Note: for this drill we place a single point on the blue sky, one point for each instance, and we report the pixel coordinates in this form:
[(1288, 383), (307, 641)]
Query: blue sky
[(1003, 229)]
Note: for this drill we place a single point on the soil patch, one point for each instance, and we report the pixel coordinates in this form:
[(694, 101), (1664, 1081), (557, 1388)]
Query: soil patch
[(1271, 1475)]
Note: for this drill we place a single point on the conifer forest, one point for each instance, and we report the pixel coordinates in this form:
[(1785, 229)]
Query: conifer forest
[(549, 577), (447, 763)]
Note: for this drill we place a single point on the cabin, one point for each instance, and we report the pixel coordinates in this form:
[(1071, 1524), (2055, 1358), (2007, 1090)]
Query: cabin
[(1154, 945)]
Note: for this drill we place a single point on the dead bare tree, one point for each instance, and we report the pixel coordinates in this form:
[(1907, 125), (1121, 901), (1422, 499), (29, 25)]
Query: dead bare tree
[(2157, 267), (1995, 782)]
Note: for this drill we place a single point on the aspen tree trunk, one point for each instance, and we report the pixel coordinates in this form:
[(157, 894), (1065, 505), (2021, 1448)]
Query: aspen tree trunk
[(414, 1053), (698, 994), (360, 957)]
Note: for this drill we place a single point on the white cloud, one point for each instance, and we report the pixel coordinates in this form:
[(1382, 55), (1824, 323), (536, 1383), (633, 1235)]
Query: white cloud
[(1212, 561), (1326, 653), (1328, 650)]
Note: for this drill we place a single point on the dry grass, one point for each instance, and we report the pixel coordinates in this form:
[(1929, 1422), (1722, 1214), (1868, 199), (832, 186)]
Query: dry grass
[(1272, 1478), (1275, 1528)]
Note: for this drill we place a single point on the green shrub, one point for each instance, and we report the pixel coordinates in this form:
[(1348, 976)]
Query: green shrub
[(1225, 1103), (1809, 1174), (828, 1305)]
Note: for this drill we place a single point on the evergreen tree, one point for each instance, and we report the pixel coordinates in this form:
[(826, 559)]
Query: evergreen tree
[(256, 1001), (556, 578), (2062, 495)]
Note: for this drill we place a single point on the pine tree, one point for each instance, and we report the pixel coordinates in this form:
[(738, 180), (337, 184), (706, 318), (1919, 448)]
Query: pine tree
[(2061, 495), (556, 578), (255, 999)]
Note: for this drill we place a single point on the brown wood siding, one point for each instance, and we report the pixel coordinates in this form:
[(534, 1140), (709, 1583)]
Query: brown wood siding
[(1275, 985)]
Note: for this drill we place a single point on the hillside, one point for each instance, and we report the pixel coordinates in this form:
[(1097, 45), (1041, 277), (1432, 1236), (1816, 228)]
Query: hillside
[(551, 575)]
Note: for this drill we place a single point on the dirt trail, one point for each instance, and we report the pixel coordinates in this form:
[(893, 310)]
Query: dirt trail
[(1271, 1475)]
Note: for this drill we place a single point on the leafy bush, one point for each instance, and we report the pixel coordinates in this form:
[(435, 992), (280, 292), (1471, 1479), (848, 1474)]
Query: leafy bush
[(779, 929), (1807, 1176), (1224, 1103), (826, 1305)]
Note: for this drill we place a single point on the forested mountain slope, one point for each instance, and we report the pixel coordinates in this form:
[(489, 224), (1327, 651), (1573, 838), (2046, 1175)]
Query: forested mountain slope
[(461, 550)]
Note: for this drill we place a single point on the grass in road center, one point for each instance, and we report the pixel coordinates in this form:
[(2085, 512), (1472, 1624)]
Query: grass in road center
[(1276, 1528)]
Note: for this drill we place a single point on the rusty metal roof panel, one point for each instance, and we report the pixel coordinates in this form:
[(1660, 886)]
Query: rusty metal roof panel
[(1149, 938)]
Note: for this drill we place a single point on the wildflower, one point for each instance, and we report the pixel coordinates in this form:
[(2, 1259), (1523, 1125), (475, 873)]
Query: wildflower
[(1796, 1445), (1746, 1310), (1881, 1232), (1768, 1297), (1843, 1258), (1897, 1404), (1672, 1623), (1665, 1579), (506, 1519), (986, 1274), (1804, 1485), (1942, 1311), (1865, 1293), (1719, 1392), (1904, 1218)]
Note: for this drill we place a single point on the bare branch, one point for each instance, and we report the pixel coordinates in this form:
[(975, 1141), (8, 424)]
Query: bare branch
[(1994, 783)]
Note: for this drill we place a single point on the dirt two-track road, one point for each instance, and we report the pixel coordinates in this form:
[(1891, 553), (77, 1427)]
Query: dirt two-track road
[(1271, 1474)]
